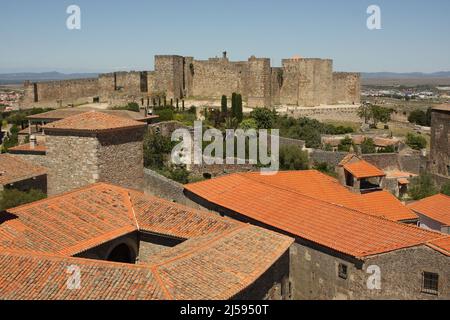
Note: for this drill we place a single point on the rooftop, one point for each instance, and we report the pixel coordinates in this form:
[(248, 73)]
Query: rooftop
[(442, 107), (315, 207), (436, 207), (45, 235), (359, 168), (39, 148), (92, 121), (60, 114), (13, 169)]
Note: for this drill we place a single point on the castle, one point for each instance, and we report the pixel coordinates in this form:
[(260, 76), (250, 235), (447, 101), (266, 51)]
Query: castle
[(299, 82)]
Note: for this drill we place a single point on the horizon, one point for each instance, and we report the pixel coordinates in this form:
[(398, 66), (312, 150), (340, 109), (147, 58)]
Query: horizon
[(126, 36)]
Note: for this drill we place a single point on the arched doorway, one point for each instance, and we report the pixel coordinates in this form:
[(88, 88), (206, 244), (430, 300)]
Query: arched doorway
[(122, 253)]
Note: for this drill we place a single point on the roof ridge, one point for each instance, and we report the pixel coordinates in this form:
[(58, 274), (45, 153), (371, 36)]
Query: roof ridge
[(341, 206)]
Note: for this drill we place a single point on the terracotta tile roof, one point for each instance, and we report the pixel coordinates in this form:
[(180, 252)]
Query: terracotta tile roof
[(385, 142), (43, 235), (92, 121), (436, 207), (60, 114), (442, 107), (362, 169), (385, 205), (442, 245), (26, 148), (295, 206), (13, 169), (403, 181)]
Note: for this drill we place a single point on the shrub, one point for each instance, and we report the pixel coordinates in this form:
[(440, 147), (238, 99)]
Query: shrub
[(368, 146), (422, 186), (10, 198), (293, 158), (179, 174), (415, 141), (265, 118), (345, 144), (132, 106), (165, 114), (156, 150), (446, 189), (420, 117)]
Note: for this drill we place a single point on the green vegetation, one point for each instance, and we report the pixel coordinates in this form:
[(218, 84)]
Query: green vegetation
[(224, 106), (345, 145), (422, 186), (420, 117), (12, 140), (157, 152), (132, 106), (293, 158), (387, 149), (368, 146), (446, 189), (375, 114), (265, 118), (416, 141), (325, 168), (10, 198)]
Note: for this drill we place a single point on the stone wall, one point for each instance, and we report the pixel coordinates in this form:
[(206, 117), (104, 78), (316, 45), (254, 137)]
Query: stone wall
[(329, 157), (340, 113), (346, 88), (440, 142), (72, 161), (170, 76), (383, 161), (59, 93), (159, 186), (121, 158), (76, 159)]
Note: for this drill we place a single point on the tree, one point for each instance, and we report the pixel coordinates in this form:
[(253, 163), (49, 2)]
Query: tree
[(293, 158), (239, 108), (422, 186), (10, 198), (234, 105), (446, 189), (375, 113), (325, 168), (264, 117), (368, 146), (387, 149), (248, 124), (156, 150), (415, 141), (179, 174), (345, 144), (224, 106), (418, 117)]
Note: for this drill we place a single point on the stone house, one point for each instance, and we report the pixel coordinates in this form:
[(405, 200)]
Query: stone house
[(125, 245), (345, 247), (21, 175)]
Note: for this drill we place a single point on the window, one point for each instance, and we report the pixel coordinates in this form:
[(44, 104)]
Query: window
[(342, 271), (430, 283)]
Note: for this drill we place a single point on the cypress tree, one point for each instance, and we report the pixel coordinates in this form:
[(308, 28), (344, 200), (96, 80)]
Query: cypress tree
[(239, 109), (224, 105), (233, 105)]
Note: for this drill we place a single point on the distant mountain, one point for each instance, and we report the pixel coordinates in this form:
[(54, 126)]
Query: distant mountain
[(15, 78), (411, 75)]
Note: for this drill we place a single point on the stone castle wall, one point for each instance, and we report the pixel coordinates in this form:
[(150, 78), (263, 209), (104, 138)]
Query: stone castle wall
[(440, 143), (299, 82), (346, 88)]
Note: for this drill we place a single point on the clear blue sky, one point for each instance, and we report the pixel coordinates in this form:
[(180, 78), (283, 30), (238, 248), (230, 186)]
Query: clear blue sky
[(119, 35)]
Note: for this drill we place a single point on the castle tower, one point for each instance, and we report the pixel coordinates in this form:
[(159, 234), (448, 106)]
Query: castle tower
[(94, 147), (170, 77)]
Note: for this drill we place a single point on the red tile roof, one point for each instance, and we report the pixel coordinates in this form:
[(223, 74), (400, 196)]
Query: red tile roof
[(362, 169), (14, 169), (92, 121), (297, 209), (436, 207), (26, 148), (442, 245), (38, 240)]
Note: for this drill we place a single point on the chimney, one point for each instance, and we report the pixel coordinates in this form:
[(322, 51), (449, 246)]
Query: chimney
[(33, 142)]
